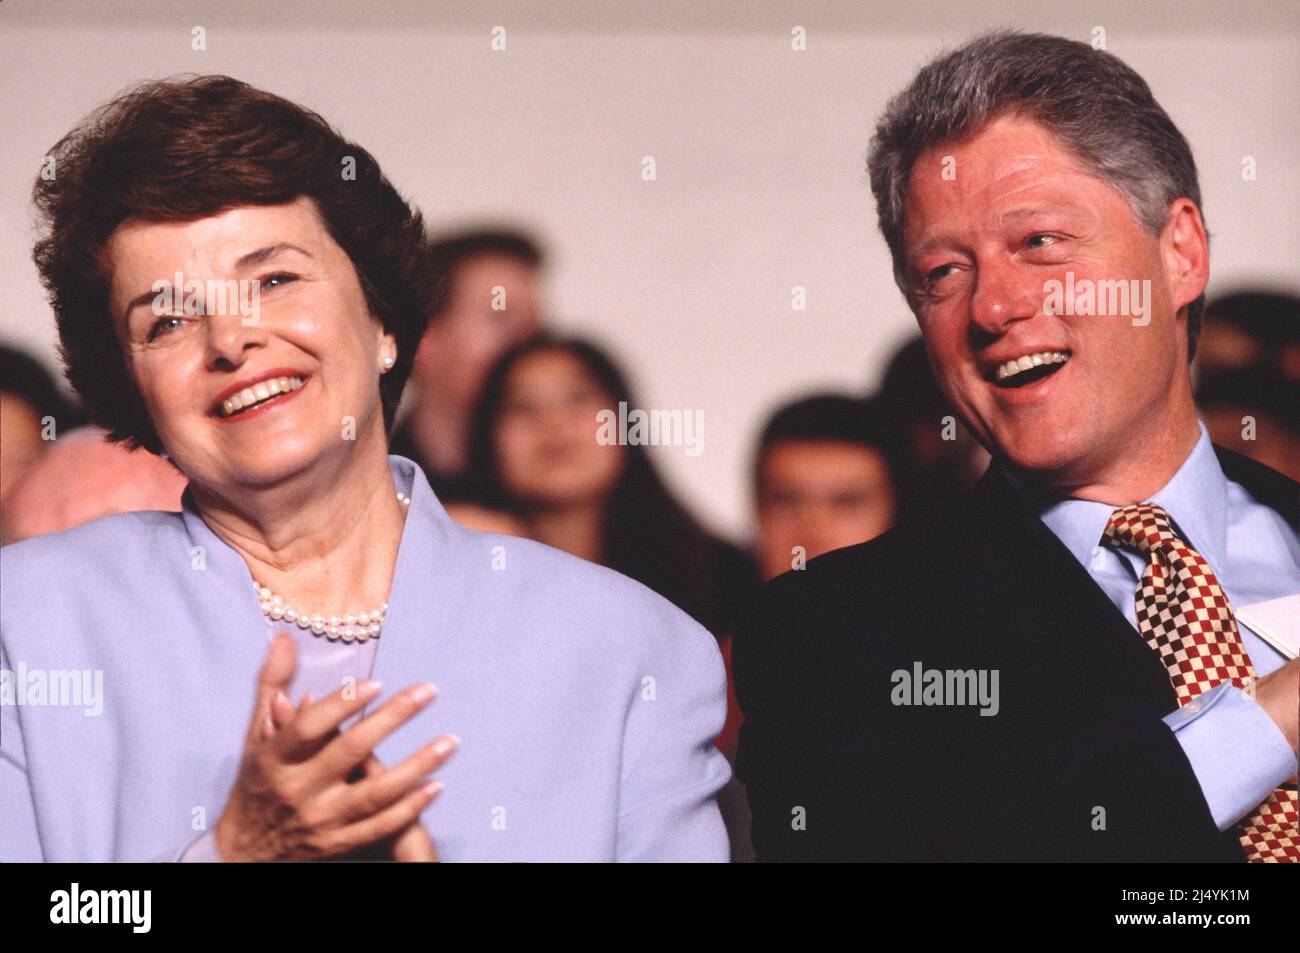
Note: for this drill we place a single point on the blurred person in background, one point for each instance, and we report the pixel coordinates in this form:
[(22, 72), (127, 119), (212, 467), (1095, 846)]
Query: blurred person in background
[(1256, 412), (487, 299), (823, 479), (938, 460), (535, 452), (84, 476), (29, 398), (1251, 329), (1248, 376)]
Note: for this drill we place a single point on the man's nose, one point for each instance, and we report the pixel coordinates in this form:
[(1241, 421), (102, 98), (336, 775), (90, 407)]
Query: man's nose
[(818, 524), (1004, 293), (230, 337)]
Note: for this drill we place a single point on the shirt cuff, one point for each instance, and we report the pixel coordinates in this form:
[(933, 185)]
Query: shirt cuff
[(1236, 752), (202, 850)]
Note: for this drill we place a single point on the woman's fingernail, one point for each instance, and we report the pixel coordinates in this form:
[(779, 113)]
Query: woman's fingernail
[(432, 788), (367, 690), (423, 693), (281, 698)]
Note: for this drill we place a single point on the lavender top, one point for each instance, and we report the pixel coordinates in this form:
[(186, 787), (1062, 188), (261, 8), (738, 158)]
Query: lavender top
[(586, 704)]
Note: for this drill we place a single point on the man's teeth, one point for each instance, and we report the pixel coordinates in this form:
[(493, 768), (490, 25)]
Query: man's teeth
[(1012, 368), (262, 390)]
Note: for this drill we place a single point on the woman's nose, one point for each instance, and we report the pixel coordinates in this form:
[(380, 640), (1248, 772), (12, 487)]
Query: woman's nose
[(230, 337), (559, 419)]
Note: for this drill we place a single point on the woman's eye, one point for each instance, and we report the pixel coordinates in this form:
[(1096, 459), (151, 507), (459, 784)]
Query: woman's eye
[(163, 326), (517, 409), (279, 278)]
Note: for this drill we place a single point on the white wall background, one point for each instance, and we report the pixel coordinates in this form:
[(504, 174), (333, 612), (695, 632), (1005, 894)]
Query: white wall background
[(759, 150)]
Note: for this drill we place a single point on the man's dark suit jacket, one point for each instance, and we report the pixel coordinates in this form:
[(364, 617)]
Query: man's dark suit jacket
[(1082, 699)]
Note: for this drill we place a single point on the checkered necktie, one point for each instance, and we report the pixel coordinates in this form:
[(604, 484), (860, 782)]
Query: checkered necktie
[(1184, 615)]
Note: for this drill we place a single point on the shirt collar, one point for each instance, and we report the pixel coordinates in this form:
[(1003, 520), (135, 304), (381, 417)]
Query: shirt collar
[(1196, 498)]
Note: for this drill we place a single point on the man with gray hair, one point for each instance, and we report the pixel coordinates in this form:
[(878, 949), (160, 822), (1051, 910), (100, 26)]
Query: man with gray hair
[(1124, 585)]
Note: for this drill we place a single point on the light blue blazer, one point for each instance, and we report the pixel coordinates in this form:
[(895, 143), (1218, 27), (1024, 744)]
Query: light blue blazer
[(586, 704)]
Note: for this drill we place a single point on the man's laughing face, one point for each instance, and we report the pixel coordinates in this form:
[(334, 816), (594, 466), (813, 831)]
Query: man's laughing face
[(1061, 395)]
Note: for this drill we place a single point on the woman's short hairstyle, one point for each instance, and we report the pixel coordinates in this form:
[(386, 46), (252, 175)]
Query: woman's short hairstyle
[(1098, 107), (187, 148)]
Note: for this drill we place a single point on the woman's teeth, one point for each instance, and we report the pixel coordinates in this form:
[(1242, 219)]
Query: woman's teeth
[(1012, 368), (258, 393)]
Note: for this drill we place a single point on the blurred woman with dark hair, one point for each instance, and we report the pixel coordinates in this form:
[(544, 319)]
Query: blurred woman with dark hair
[(535, 454)]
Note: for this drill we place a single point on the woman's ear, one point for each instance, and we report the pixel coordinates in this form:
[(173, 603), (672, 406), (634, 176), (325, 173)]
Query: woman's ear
[(387, 353)]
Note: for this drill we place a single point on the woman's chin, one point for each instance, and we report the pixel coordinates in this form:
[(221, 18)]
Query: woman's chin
[(562, 496), (260, 466)]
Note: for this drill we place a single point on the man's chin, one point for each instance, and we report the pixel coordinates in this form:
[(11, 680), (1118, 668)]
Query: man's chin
[(1043, 455)]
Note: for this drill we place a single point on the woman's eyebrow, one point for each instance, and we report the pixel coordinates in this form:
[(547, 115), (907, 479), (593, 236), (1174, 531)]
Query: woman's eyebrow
[(263, 255), (250, 260), (135, 302)]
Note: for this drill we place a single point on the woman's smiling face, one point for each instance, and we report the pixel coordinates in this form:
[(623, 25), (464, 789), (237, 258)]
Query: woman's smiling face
[(292, 307)]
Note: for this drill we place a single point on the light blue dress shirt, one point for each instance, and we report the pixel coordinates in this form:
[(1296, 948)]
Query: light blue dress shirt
[(586, 704), (1238, 753)]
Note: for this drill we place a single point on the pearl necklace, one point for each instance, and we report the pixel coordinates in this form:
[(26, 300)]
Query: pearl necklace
[(349, 628)]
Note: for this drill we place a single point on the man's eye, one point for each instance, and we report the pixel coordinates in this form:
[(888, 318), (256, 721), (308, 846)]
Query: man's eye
[(161, 326), (851, 501), (782, 498), (1041, 241), (938, 274)]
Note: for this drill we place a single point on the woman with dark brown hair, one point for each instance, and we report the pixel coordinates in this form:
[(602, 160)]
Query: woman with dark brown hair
[(238, 288), (535, 454)]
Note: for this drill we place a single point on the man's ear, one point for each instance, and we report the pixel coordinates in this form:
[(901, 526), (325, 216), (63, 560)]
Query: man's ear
[(1185, 250)]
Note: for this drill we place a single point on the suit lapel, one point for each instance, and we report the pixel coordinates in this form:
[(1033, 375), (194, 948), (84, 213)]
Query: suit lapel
[(1040, 603), (426, 615), (1269, 487)]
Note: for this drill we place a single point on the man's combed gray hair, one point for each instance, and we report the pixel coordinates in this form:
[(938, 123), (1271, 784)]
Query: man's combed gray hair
[(1099, 108)]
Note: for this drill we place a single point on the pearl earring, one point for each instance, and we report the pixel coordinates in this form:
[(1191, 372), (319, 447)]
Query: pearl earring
[(388, 363)]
